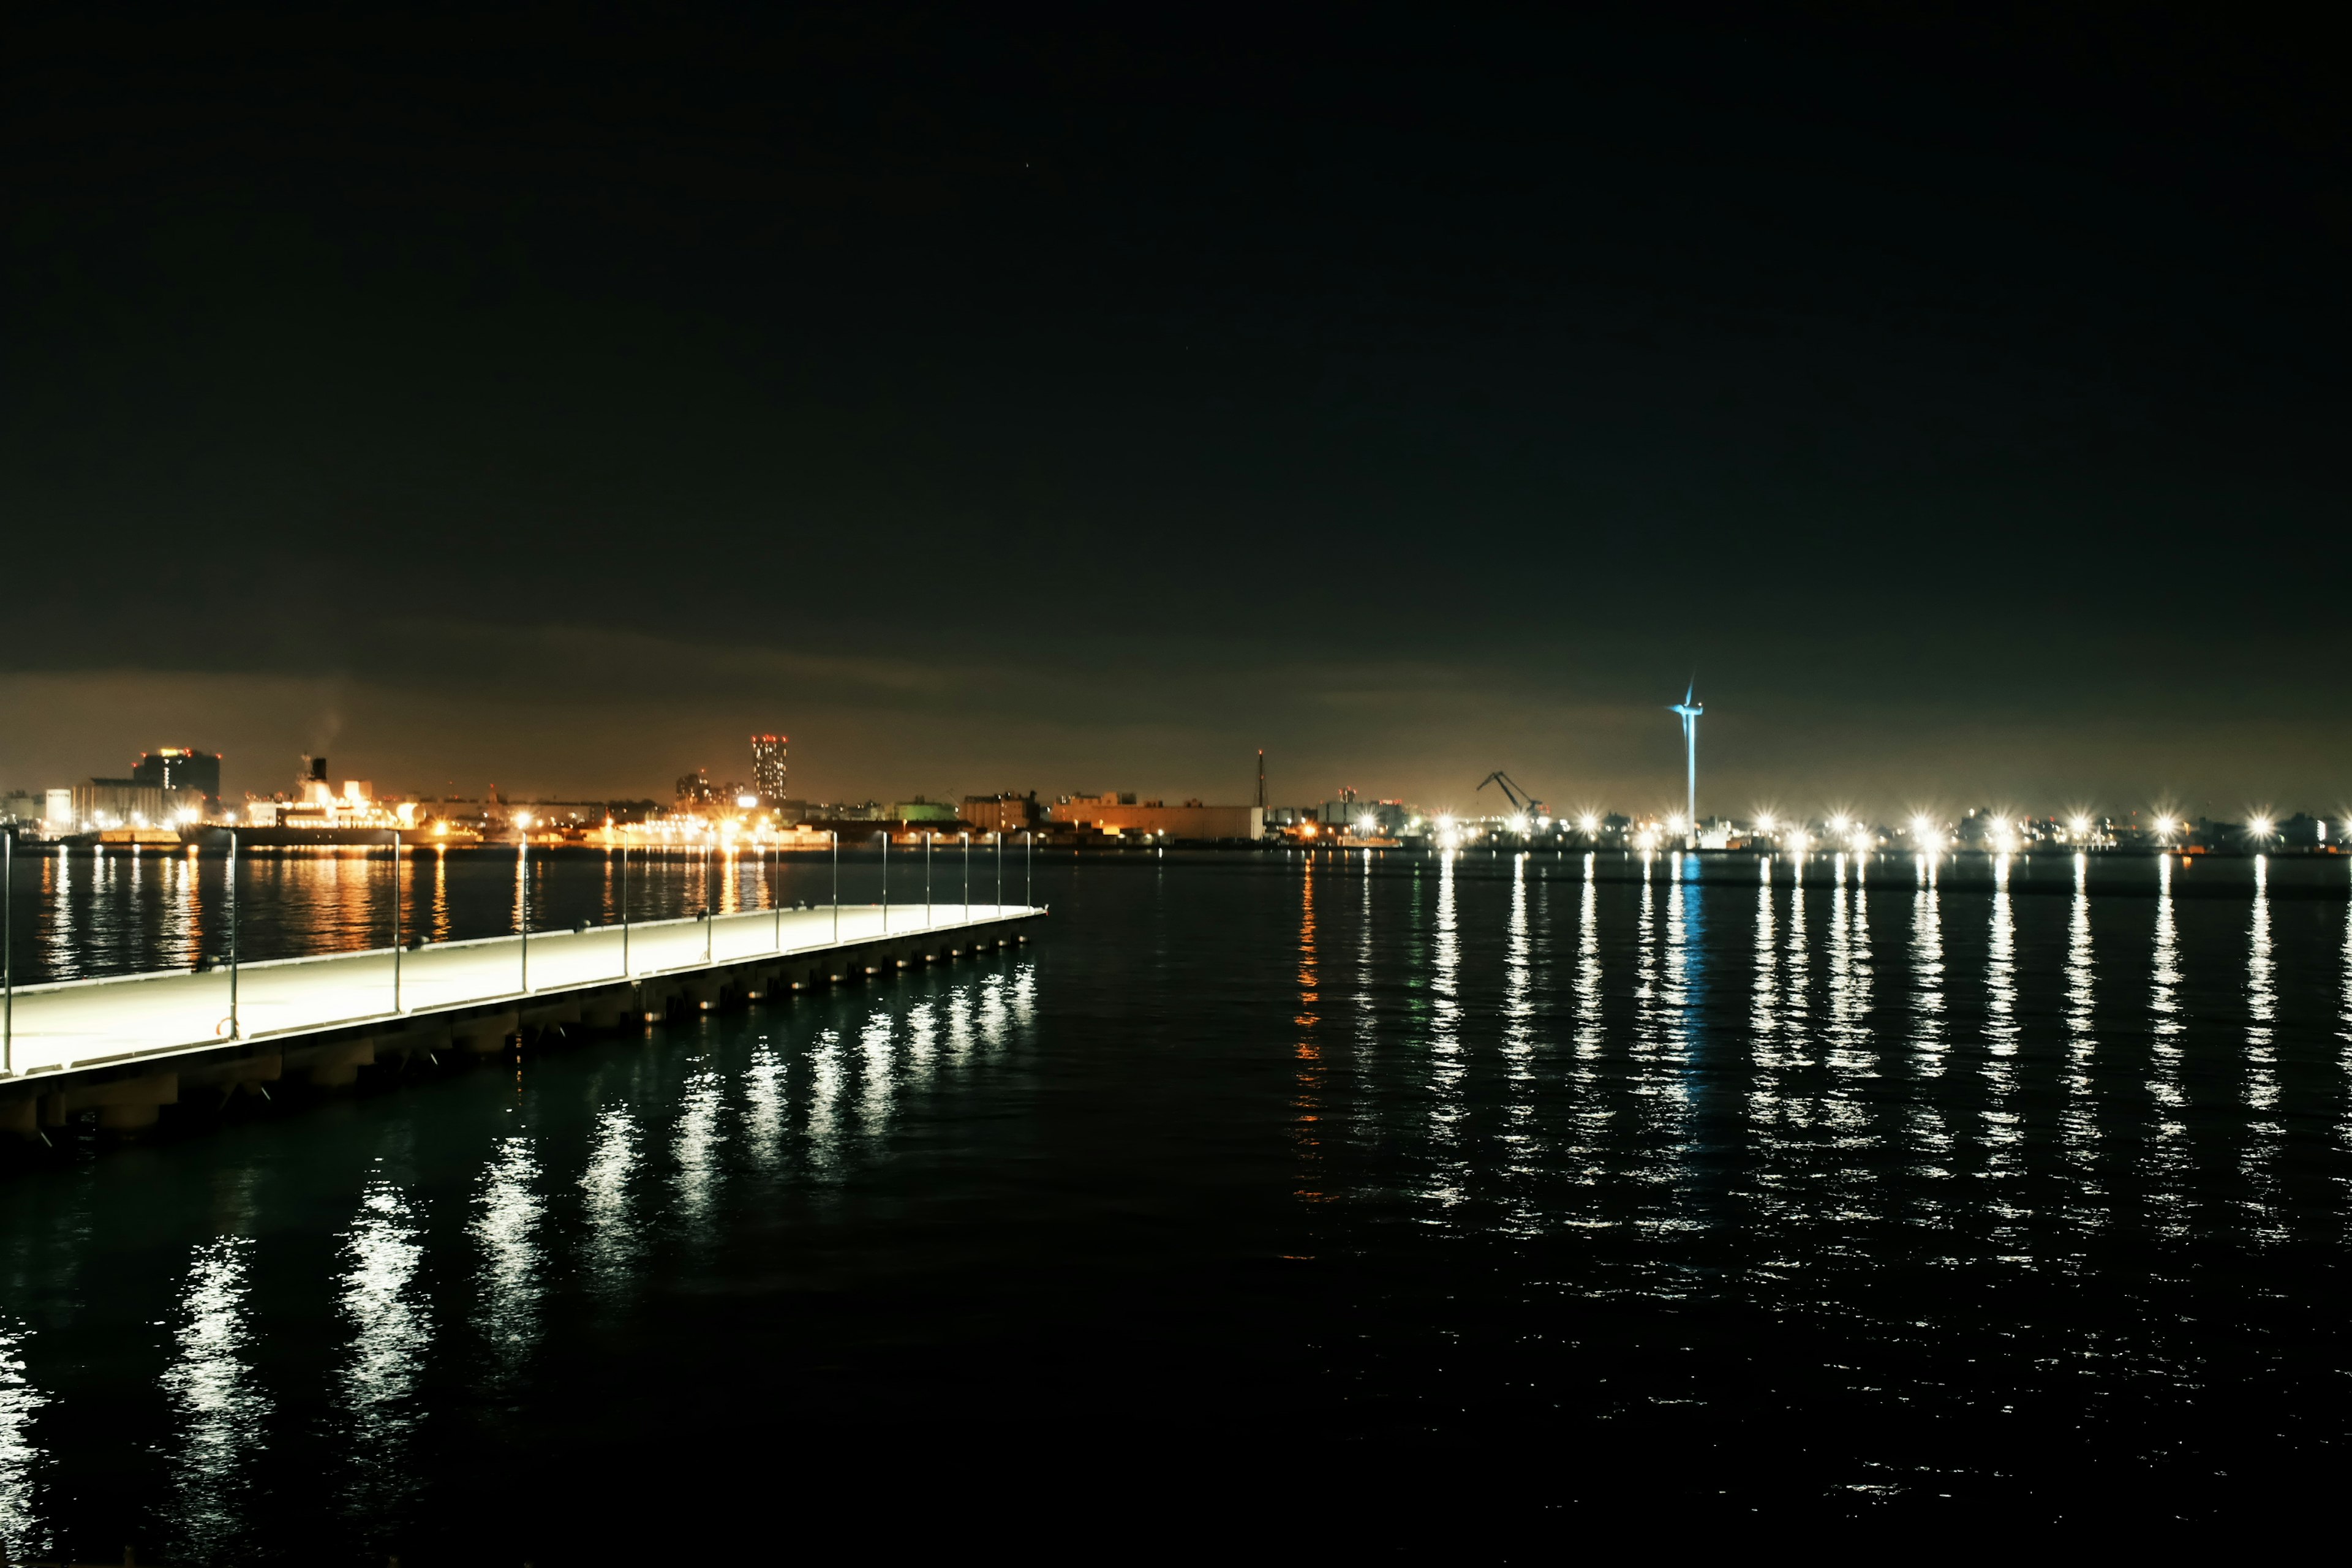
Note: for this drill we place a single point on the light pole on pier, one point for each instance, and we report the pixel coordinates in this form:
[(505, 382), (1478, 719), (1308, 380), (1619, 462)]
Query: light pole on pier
[(395, 834), (8, 952), (523, 870), (1028, 862), (836, 834), (999, 866), (235, 917), (774, 908), (967, 878), (927, 837), (886, 881), (625, 911)]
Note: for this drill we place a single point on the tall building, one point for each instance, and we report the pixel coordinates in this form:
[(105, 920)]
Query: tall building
[(768, 768), (181, 768)]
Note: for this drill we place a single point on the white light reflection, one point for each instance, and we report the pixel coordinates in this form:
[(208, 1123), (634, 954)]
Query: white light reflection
[(763, 1118), (959, 1027), (2266, 1131), (828, 1082), (1024, 997), (1518, 1056), (697, 1142), (1445, 1111), (392, 1325), (2004, 1128), (1930, 1044), (995, 1013), (1763, 1015), (609, 1196), (507, 1213), (217, 1401), (2344, 1027), (878, 1077), (2078, 1126), (21, 1459), (2167, 1140)]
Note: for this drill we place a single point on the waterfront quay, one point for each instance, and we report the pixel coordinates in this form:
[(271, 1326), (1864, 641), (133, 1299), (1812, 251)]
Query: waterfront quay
[(126, 1047)]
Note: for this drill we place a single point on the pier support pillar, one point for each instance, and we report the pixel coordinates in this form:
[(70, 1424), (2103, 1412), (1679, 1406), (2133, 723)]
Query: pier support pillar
[(484, 1036), (336, 1065)]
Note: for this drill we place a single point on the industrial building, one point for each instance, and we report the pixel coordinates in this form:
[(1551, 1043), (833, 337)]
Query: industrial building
[(1191, 822), (1002, 813), (182, 768)]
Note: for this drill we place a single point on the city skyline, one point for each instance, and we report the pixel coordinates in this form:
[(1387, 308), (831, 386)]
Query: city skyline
[(1358, 401), (1575, 799)]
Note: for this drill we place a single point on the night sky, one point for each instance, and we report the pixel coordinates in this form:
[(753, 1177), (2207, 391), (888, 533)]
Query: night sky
[(1001, 399)]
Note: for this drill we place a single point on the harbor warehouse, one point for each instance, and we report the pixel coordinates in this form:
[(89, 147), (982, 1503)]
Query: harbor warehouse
[(1191, 822)]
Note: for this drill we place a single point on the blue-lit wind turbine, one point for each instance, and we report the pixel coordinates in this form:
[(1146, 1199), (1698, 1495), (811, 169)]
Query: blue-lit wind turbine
[(1690, 712)]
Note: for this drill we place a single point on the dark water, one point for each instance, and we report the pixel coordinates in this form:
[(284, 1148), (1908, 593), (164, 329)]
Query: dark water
[(1448, 1206)]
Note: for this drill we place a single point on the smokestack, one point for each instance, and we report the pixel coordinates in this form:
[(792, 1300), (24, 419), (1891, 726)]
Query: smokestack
[(1261, 778), (317, 770)]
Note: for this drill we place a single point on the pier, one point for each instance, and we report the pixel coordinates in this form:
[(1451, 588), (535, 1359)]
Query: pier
[(126, 1047)]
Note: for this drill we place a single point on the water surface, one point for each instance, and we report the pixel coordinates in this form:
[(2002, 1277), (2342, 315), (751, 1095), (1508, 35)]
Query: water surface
[(1310, 1197)]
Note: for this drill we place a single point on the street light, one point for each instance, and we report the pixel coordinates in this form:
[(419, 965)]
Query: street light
[(836, 834), (235, 916), (522, 872), (886, 881), (8, 952), (395, 834)]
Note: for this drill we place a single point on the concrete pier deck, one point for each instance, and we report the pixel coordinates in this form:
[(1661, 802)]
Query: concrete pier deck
[(474, 995)]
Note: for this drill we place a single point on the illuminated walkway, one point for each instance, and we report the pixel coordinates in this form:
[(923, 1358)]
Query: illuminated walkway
[(83, 1023)]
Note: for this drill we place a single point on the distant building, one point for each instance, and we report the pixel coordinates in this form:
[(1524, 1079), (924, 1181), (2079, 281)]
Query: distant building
[(767, 769), (20, 805), (1002, 813), (2303, 831), (1388, 817), (125, 802), (179, 768), (1191, 822), (921, 810), (694, 792)]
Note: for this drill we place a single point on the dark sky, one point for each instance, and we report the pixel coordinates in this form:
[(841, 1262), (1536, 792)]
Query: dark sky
[(1012, 399)]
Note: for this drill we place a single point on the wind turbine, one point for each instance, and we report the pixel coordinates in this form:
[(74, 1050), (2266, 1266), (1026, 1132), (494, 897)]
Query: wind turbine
[(1690, 712)]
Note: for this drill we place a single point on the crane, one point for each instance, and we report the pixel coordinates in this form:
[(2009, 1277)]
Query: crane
[(1523, 803)]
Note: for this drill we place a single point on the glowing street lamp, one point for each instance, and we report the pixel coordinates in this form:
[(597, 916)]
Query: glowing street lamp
[(522, 866)]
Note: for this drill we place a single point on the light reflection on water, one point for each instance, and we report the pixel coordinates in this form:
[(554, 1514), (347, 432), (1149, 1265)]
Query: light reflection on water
[(21, 1461), (1862, 1100), (218, 1400), (383, 1301), (608, 1189), (507, 1215)]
